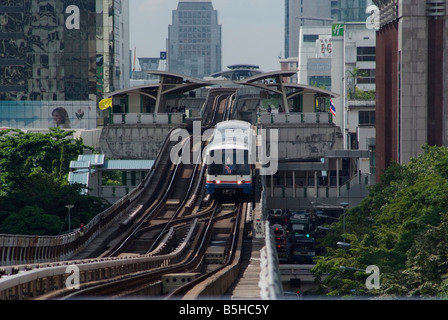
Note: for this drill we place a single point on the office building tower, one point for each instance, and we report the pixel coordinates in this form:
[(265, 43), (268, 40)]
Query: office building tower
[(353, 10), (60, 57), (299, 13), (412, 79), (194, 39), (314, 63)]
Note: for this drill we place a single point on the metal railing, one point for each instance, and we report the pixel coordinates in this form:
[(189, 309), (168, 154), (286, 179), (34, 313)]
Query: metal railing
[(270, 282), (320, 191), (150, 118), (23, 249), (294, 118), (31, 281)]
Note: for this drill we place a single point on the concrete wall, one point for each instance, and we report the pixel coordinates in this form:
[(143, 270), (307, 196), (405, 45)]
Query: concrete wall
[(89, 137), (297, 141), (413, 45), (309, 140), (133, 141), (353, 196)]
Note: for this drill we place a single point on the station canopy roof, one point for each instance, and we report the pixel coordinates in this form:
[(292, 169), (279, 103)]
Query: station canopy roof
[(260, 81), (173, 83)]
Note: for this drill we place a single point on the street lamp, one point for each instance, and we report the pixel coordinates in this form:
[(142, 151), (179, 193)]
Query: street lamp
[(324, 216), (343, 244), (351, 269), (69, 207)]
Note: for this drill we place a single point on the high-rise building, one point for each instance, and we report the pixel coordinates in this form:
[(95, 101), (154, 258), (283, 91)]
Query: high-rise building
[(353, 10), (314, 63), (58, 58), (412, 79), (194, 39), (353, 78), (299, 13)]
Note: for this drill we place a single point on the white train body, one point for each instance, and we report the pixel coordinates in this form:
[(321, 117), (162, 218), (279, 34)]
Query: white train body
[(230, 158)]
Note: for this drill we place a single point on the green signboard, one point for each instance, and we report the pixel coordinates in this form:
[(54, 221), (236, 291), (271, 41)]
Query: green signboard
[(337, 30)]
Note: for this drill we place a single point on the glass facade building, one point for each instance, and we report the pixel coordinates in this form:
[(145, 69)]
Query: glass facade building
[(194, 39), (305, 13), (60, 55), (353, 10)]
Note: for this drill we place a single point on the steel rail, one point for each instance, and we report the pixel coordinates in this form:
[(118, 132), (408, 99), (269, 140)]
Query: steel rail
[(183, 290)]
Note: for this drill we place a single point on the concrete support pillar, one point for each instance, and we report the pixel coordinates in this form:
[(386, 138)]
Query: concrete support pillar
[(48, 285), (358, 171), (293, 184), (159, 95), (281, 87), (337, 177), (284, 178)]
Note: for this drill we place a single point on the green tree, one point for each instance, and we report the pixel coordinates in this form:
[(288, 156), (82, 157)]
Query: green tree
[(32, 220), (400, 227), (34, 169), (427, 265), (21, 153)]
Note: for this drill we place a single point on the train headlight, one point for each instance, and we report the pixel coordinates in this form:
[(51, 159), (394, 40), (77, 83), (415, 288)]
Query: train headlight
[(218, 181), (241, 182)]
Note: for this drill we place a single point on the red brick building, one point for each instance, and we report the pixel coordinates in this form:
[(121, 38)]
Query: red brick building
[(411, 79)]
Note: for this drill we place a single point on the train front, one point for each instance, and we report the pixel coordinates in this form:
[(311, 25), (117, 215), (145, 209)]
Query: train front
[(230, 173)]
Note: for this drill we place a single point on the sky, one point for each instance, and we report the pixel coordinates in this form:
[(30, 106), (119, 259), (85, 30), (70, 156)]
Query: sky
[(252, 30)]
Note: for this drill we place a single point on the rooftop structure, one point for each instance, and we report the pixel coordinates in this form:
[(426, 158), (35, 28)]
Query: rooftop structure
[(236, 72), (88, 170)]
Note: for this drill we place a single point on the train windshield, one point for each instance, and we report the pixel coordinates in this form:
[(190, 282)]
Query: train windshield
[(229, 162)]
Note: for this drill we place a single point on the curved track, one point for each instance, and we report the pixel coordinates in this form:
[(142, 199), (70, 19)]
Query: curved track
[(194, 260), (177, 214)]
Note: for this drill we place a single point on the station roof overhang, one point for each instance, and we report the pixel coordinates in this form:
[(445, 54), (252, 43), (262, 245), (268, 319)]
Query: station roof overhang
[(147, 89), (279, 86), (173, 83), (170, 83), (306, 89), (278, 75)]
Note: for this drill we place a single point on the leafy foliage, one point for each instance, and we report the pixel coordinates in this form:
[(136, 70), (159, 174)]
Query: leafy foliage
[(32, 220), (401, 227), (34, 188)]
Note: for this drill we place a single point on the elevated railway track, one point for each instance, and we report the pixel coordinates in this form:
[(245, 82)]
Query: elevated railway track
[(171, 229)]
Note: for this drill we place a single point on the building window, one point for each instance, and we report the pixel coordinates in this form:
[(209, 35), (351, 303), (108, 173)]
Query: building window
[(354, 145), (366, 76), (320, 81), (310, 37), (366, 54), (366, 117)]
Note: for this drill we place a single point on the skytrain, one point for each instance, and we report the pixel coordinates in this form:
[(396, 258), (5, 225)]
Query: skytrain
[(230, 159)]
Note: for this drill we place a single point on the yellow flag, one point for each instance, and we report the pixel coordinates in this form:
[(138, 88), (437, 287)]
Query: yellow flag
[(105, 103)]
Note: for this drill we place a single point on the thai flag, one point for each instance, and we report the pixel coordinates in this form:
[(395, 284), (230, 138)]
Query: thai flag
[(332, 108), (228, 169)]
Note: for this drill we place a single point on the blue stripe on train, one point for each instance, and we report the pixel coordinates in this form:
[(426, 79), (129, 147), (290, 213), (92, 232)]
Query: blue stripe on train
[(211, 187)]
